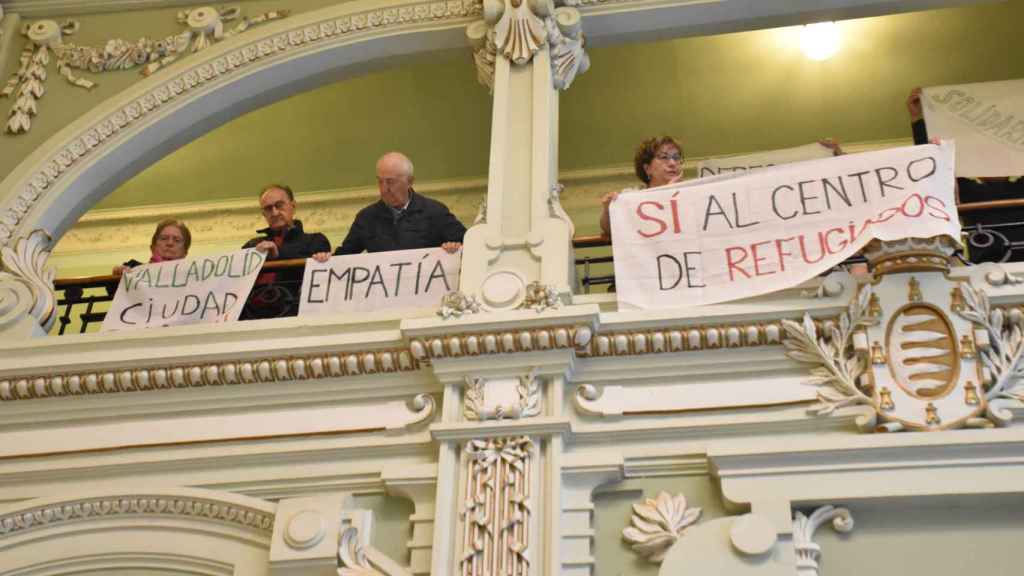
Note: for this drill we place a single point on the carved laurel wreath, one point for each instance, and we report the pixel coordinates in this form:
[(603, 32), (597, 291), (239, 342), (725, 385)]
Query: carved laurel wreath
[(836, 366)]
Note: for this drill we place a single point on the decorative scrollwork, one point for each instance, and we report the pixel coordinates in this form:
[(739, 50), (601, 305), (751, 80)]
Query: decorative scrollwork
[(26, 282), (205, 26), (658, 523), (352, 560), (807, 552)]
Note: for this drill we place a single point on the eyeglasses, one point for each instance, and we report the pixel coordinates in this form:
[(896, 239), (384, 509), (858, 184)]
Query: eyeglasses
[(279, 206), (668, 157), (170, 239)]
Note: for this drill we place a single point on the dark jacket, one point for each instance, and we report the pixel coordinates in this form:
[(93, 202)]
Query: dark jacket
[(296, 244), (276, 293), (996, 244), (425, 223)]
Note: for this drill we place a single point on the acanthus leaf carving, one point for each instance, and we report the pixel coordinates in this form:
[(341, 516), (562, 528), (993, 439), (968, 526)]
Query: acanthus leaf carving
[(540, 297), (658, 523), (807, 551), (26, 282), (568, 57)]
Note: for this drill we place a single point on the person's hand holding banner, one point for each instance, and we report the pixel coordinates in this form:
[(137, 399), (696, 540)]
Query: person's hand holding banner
[(191, 291), (731, 238)]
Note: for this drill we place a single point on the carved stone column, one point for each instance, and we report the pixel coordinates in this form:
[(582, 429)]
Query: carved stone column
[(499, 476), (525, 50)]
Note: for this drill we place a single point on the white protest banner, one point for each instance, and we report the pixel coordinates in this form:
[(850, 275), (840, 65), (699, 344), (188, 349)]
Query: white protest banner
[(759, 160), (691, 244), (987, 122), (192, 291), (367, 282)]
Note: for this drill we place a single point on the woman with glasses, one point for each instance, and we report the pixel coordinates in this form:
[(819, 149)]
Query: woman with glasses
[(171, 241), (658, 161)]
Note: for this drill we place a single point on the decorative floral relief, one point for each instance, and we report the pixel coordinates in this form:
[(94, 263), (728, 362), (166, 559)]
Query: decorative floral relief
[(497, 507), (455, 304), (205, 26), (540, 297), (807, 552), (657, 524)]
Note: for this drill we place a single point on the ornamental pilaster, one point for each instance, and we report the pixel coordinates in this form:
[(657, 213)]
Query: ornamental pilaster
[(525, 51)]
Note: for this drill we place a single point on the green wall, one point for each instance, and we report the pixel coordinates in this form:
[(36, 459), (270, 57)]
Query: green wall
[(721, 94)]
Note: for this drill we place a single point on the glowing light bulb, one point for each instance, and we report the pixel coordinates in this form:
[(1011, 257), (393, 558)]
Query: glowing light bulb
[(819, 41)]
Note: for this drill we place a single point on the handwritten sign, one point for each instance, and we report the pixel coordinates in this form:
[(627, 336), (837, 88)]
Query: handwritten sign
[(747, 162), (193, 291), (367, 282), (987, 122), (691, 244)]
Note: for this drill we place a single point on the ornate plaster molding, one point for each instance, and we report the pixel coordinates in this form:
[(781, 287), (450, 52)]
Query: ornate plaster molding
[(357, 558), (657, 524), (540, 297), (684, 339), (205, 26), (455, 304), (268, 370), (497, 507), (26, 282), (527, 340), (137, 505), (527, 392), (914, 350), (101, 133), (807, 552)]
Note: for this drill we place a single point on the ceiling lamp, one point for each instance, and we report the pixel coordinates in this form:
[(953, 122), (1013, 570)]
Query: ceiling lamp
[(819, 41)]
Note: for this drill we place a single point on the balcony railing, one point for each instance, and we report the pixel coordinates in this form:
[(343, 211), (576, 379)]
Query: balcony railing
[(83, 301)]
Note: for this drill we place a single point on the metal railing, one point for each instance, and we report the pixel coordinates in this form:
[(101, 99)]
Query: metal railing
[(83, 301)]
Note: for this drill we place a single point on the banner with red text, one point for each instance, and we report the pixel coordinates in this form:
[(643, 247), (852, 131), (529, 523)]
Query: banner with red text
[(202, 290), (986, 120), (690, 244), (759, 160), (383, 280)]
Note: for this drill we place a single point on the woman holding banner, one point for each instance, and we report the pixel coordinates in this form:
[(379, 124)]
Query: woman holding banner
[(658, 162), (171, 241)]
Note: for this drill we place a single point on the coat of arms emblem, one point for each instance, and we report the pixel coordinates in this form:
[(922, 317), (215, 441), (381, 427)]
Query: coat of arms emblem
[(915, 350)]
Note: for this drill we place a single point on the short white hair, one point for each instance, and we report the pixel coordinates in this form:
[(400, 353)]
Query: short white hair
[(405, 160)]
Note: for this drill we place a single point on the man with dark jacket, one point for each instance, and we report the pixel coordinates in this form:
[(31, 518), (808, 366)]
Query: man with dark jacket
[(401, 219), (275, 293)]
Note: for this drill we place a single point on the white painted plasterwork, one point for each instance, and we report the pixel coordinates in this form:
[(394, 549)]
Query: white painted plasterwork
[(808, 553), (657, 523)]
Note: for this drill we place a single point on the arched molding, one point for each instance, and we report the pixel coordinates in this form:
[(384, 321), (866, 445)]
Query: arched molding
[(79, 165), (83, 162), (215, 514)]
